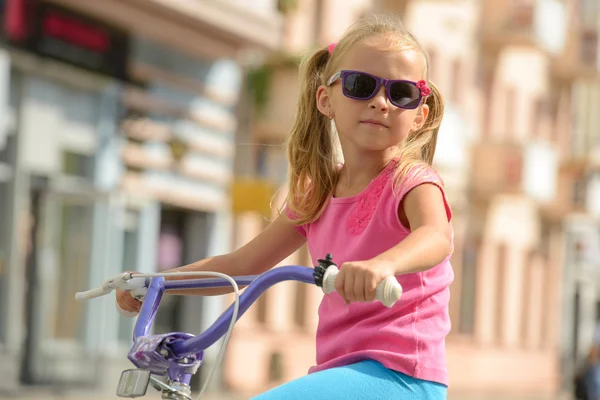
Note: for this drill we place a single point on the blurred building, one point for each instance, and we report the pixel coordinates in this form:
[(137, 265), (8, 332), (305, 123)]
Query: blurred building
[(513, 241), (518, 153), (580, 194), (117, 132)]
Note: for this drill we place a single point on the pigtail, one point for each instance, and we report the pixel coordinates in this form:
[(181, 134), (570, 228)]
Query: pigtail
[(419, 148), (431, 127), (420, 145), (310, 147)]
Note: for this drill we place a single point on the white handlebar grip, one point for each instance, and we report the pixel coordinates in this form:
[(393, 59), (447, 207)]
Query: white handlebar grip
[(127, 314), (388, 291), (133, 283), (329, 279), (90, 294)]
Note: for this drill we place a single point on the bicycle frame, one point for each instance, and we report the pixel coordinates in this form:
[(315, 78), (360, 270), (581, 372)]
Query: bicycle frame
[(179, 355)]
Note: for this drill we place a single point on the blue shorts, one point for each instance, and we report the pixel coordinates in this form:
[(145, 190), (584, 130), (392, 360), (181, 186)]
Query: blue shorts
[(365, 380)]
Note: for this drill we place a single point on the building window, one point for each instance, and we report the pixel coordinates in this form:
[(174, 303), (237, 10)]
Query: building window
[(596, 127), (589, 46), (529, 275), (538, 114), (78, 165), (303, 293), (300, 305), (468, 286), (262, 160), (555, 113), (4, 231), (500, 289), (590, 10), (510, 109), (318, 15), (432, 60), (522, 13), (576, 318), (457, 81), (4, 211), (579, 192)]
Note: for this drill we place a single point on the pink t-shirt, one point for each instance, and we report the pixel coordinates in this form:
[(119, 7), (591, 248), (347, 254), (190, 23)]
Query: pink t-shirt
[(410, 336)]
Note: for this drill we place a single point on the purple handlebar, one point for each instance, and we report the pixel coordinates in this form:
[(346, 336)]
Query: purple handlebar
[(257, 285), (149, 307)]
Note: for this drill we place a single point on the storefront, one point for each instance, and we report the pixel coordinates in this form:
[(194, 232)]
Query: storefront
[(120, 157), (63, 77)]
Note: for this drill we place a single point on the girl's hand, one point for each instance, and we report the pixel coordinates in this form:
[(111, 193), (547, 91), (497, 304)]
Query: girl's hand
[(357, 280), (127, 302)]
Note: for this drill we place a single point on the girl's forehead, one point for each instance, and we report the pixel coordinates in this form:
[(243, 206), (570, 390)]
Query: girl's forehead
[(382, 57)]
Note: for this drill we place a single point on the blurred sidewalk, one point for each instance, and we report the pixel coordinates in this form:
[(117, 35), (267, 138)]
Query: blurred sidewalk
[(45, 395), (214, 396)]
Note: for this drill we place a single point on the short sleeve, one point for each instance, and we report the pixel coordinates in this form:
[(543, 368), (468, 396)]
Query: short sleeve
[(291, 215), (419, 175)]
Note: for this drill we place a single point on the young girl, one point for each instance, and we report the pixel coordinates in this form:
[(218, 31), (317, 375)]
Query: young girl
[(382, 212)]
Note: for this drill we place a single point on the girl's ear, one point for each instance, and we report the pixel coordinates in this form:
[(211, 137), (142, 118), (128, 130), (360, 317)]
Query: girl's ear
[(324, 101), (421, 117)]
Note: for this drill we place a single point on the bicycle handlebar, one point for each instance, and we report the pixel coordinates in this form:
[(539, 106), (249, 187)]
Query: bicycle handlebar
[(388, 292), (90, 294)]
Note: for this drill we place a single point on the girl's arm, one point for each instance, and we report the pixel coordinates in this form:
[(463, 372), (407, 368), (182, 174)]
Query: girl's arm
[(430, 240), (276, 242)]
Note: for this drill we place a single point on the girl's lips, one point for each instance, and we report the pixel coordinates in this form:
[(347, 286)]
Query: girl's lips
[(372, 122)]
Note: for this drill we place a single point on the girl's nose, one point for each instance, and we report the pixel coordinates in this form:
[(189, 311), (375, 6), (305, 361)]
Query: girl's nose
[(380, 100)]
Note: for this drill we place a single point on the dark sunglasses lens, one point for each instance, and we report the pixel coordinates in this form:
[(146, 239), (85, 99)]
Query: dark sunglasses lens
[(359, 85), (404, 95)]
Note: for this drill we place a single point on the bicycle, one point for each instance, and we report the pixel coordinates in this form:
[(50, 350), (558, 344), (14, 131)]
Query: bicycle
[(178, 356)]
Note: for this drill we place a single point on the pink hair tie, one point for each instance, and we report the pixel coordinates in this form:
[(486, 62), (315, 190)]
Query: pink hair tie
[(331, 48)]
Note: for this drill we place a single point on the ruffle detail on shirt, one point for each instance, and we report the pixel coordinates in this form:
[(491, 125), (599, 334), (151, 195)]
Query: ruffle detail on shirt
[(367, 201)]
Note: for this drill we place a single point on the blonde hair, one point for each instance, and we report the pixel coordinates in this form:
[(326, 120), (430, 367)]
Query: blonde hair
[(313, 170)]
